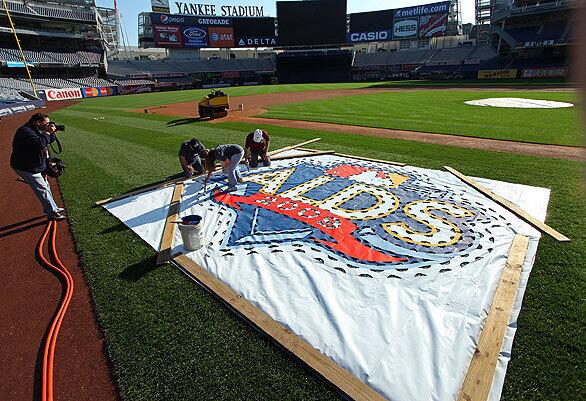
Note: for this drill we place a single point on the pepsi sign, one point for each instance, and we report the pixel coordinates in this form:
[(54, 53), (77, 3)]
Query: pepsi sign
[(171, 19)]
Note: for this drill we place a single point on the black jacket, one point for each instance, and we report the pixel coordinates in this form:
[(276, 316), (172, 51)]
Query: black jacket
[(28, 149)]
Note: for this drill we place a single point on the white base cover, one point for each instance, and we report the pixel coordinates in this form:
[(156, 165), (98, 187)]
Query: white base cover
[(519, 103)]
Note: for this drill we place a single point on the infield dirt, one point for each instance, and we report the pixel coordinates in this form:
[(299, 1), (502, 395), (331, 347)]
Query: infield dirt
[(254, 105)]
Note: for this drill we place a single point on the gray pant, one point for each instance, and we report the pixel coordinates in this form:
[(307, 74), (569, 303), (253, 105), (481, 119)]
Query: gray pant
[(197, 166), (41, 189), (232, 170)]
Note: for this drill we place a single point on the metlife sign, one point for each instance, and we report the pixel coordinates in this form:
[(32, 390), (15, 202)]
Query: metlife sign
[(426, 9), (376, 36)]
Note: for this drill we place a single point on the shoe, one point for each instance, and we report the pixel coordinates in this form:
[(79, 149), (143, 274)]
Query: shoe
[(55, 216), (231, 189), (60, 210)]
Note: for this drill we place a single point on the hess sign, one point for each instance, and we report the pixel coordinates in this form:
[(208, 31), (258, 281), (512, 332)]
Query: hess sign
[(405, 28)]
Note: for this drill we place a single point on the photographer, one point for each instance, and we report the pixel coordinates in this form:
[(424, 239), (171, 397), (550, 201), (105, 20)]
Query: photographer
[(29, 159)]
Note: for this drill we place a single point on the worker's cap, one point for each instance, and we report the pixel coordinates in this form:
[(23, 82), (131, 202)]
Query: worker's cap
[(257, 136), (195, 144)]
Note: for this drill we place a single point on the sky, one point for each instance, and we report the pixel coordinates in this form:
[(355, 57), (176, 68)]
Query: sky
[(129, 9)]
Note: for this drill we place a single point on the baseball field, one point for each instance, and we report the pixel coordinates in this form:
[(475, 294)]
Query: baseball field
[(170, 339)]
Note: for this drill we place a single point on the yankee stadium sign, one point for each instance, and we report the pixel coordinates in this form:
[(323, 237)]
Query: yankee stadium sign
[(224, 11)]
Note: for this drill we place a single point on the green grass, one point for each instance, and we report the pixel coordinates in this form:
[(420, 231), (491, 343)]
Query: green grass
[(170, 340), (441, 111), (160, 98)]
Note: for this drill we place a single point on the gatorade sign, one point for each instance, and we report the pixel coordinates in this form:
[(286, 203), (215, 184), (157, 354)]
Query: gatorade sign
[(63, 94)]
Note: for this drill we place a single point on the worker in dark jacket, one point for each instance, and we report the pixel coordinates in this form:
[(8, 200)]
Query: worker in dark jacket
[(29, 160), (189, 157)]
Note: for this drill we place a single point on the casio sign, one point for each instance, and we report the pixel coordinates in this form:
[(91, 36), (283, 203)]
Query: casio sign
[(195, 33), (369, 36), (405, 28)]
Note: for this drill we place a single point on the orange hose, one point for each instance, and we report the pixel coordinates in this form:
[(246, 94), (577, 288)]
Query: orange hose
[(51, 341)]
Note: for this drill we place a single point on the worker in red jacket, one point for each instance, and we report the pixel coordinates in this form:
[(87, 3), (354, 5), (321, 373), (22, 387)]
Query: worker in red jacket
[(257, 147)]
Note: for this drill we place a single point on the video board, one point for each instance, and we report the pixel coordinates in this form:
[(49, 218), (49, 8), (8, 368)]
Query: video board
[(307, 23), (425, 21), (301, 23), (194, 32)]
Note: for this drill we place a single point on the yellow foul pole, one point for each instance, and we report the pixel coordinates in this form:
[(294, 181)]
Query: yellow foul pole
[(19, 47)]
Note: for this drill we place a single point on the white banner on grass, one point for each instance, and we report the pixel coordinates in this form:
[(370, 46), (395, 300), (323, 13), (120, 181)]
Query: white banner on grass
[(387, 270)]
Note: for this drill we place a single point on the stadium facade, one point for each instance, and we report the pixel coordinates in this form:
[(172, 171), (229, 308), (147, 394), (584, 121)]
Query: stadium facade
[(72, 44)]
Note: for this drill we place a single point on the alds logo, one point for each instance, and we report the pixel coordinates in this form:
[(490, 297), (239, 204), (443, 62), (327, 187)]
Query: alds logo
[(359, 214)]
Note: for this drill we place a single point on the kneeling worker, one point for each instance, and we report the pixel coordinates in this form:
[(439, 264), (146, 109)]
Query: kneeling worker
[(257, 147), (230, 157), (189, 157)]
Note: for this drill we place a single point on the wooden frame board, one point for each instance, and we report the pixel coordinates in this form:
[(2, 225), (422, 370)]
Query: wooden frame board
[(159, 185), (343, 380), (170, 224), (361, 158), (286, 148), (510, 206), (307, 154), (480, 373)]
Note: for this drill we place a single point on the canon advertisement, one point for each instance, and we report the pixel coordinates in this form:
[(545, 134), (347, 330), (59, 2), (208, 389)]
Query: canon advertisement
[(63, 94)]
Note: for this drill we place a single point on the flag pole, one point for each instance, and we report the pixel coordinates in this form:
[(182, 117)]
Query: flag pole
[(30, 77)]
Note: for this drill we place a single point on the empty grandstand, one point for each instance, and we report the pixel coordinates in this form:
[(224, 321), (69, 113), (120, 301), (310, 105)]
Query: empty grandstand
[(530, 34), (73, 44), (61, 42)]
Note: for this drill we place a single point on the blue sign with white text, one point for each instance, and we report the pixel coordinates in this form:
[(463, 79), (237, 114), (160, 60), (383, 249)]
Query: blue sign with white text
[(195, 36), (426, 9)]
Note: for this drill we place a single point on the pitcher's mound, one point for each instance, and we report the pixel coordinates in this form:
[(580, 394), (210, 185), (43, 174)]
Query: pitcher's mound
[(520, 103)]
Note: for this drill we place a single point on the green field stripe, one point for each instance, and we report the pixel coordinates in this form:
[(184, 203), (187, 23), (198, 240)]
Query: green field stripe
[(444, 112)]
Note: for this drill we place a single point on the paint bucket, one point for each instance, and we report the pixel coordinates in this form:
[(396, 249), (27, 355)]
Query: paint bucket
[(190, 229)]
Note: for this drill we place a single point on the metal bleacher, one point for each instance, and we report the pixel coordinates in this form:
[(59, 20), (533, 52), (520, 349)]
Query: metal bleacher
[(128, 68), (51, 57), (11, 95), (22, 7)]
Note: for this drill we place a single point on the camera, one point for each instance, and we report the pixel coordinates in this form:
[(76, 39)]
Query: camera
[(58, 127)]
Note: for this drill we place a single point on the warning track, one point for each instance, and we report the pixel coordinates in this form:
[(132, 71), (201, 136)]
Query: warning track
[(29, 295)]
